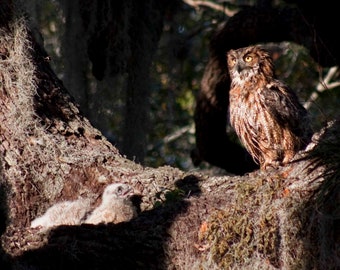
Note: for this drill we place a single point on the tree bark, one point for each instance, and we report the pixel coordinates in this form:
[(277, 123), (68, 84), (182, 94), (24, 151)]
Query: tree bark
[(285, 218)]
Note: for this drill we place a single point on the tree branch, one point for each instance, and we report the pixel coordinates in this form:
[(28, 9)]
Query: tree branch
[(323, 85), (222, 8)]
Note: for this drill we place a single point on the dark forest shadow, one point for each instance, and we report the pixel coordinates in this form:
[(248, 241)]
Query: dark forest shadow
[(138, 244), (321, 214), (3, 216)]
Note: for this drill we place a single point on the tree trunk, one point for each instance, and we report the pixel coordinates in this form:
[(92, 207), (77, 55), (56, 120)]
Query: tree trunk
[(285, 218), (73, 48), (123, 38), (138, 92)]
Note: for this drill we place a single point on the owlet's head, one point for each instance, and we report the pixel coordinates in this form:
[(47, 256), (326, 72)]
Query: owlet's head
[(117, 190)]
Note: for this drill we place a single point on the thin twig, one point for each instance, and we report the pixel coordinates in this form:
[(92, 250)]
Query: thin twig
[(212, 5), (173, 136), (323, 85)]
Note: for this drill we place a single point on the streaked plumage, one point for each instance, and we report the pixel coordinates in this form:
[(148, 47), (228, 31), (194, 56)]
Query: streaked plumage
[(265, 112)]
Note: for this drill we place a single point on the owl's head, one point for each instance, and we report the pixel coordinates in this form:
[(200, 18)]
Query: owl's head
[(117, 190), (244, 63)]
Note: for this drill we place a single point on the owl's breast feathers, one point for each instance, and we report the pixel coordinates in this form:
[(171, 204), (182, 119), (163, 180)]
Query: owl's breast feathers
[(269, 120), (265, 113)]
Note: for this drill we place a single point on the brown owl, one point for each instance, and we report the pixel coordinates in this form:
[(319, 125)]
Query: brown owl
[(265, 112)]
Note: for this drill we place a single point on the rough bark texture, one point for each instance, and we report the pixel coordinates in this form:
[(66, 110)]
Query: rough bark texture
[(279, 219)]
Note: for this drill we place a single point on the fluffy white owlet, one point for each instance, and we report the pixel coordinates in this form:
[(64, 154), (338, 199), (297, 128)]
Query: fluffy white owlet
[(63, 213), (115, 207)]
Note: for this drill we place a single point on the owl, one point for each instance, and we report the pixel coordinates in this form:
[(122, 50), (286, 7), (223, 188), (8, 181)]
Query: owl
[(63, 213), (115, 207), (265, 113)]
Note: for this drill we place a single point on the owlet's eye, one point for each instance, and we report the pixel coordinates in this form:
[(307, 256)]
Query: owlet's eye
[(248, 58), (119, 190)]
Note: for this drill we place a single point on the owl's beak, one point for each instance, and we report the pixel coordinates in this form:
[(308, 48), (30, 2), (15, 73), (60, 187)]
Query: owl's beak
[(240, 66), (129, 192)]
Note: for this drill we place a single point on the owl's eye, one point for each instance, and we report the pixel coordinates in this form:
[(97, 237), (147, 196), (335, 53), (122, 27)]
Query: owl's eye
[(232, 60), (248, 58), (119, 190)]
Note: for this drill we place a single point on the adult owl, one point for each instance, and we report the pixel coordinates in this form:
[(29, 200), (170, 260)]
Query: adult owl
[(265, 113)]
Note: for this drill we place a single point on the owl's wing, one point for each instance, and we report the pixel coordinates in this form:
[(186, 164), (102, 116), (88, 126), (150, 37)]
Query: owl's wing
[(284, 106)]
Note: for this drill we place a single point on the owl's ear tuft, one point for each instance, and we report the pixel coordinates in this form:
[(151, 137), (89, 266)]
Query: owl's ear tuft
[(229, 52)]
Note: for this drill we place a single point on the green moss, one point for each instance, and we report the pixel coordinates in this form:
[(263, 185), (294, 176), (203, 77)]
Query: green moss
[(250, 226)]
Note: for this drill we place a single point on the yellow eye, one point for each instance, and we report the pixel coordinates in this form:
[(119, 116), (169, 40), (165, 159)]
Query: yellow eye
[(234, 60), (248, 58)]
